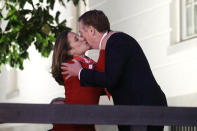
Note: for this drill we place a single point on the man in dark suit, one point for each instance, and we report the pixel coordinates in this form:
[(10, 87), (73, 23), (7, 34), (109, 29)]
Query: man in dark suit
[(127, 76)]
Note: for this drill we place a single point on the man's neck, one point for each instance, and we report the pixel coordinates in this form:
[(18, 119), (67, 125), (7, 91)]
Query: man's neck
[(80, 55), (100, 35)]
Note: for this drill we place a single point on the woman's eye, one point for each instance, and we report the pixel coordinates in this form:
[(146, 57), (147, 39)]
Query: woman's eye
[(76, 39)]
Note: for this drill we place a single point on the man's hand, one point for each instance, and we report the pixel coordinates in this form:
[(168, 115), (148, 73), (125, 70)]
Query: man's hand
[(71, 69)]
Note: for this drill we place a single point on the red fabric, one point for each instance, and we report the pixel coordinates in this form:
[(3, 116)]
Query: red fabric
[(100, 66), (75, 94)]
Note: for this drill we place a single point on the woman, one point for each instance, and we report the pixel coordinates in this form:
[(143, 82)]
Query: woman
[(68, 46)]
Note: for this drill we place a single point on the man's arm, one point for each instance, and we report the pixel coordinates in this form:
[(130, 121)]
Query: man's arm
[(92, 78), (70, 70), (116, 63)]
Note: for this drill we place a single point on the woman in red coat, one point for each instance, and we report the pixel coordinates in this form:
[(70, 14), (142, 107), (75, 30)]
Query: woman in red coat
[(68, 46)]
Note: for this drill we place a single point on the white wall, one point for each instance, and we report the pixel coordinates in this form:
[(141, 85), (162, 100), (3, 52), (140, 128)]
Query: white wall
[(8, 83)]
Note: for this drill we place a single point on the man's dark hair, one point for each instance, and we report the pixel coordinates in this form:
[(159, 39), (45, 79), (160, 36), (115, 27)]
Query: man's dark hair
[(97, 19)]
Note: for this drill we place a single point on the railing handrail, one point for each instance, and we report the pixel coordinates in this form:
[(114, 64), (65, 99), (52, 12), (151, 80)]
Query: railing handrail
[(97, 114)]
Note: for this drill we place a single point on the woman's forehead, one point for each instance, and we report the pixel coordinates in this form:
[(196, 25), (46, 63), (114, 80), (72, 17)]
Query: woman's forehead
[(72, 34)]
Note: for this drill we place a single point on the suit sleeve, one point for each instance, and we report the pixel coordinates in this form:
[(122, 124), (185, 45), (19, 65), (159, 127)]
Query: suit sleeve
[(116, 61)]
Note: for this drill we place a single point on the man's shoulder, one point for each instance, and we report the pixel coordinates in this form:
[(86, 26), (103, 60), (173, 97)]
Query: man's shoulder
[(121, 41), (120, 36)]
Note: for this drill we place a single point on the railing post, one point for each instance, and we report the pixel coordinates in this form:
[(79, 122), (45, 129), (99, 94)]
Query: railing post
[(138, 128)]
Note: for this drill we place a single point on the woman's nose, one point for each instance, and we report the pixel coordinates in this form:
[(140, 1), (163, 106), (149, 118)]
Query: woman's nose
[(81, 38)]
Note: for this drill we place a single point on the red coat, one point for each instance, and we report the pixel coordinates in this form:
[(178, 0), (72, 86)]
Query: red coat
[(76, 94)]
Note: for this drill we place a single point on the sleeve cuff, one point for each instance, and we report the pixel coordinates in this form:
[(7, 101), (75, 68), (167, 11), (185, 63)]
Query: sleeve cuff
[(79, 73)]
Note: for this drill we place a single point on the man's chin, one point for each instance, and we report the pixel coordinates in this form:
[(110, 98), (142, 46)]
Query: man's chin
[(89, 47)]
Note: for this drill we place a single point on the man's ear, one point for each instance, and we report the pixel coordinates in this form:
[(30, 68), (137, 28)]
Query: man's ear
[(92, 30)]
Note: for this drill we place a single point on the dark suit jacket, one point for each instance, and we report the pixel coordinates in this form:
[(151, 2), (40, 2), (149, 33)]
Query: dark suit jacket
[(127, 75)]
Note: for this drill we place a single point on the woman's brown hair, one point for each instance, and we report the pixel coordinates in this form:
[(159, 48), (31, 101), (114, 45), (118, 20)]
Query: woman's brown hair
[(60, 54)]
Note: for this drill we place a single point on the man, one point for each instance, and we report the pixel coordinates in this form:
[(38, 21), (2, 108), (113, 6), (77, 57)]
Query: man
[(127, 76)]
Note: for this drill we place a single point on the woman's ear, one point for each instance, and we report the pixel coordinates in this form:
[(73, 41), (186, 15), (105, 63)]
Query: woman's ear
[(71, 52)]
